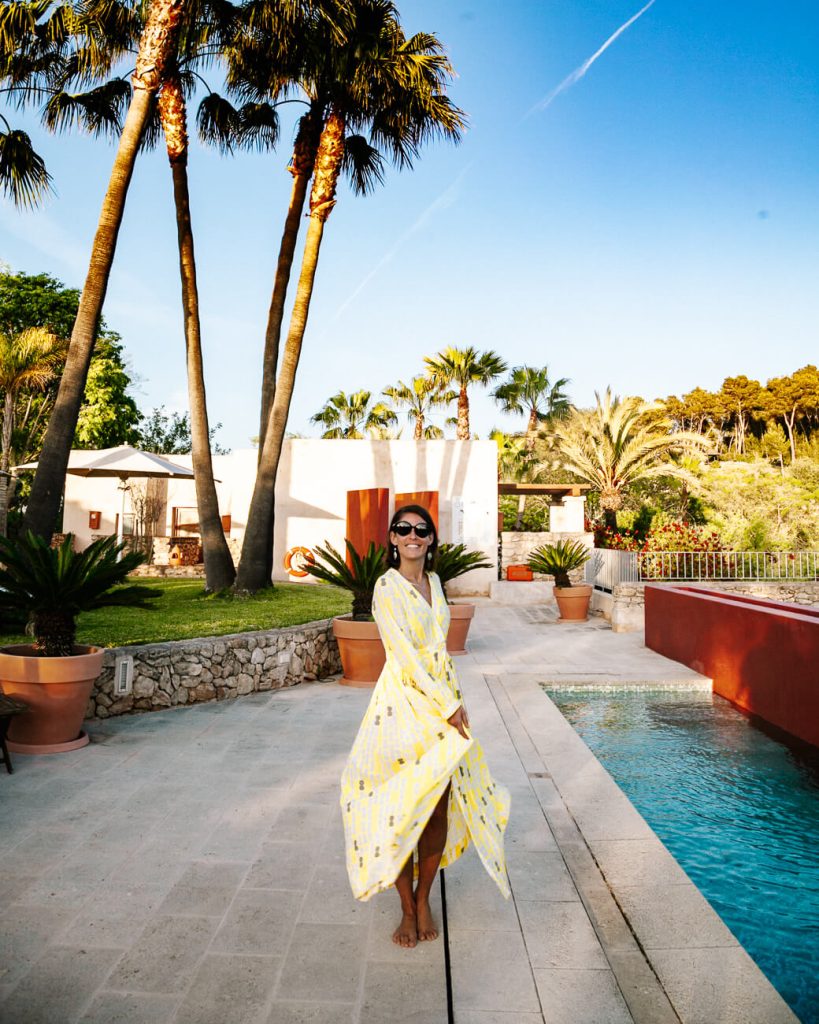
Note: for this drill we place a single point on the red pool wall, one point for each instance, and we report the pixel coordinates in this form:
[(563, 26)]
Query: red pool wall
[(762, 655)]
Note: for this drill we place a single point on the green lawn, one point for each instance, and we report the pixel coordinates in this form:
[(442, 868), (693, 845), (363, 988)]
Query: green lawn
[(184, 611)]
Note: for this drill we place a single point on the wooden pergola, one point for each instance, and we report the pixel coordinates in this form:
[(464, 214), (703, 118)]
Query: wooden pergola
[(557, 492)]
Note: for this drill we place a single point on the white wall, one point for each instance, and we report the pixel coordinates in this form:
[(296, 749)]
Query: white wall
[(311, 493)]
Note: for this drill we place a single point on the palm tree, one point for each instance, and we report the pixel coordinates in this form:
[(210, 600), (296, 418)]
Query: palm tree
[(464, 367), (420, 397), (351, 416), (529, 392), (157, 45), (376, 79), (619, 442), (28, 361)]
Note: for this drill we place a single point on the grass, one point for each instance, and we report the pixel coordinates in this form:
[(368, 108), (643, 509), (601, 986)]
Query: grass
[(184, 612)]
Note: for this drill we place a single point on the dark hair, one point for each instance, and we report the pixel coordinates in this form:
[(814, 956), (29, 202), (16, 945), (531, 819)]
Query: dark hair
[(393, 561)]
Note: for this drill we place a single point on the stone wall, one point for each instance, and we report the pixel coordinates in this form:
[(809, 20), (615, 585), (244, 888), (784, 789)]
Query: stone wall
[(215, 668), (517, 546), (627, 610)]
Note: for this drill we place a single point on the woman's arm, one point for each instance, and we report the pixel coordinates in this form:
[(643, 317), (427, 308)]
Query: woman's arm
[(387, 611)]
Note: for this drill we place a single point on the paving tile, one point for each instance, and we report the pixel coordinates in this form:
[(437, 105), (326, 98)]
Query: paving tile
[(709, 985), (282, 865), (386, 913), (130, 1008), (25, 931), (497, 1017), (538, 875), (58, 986), (298, 1012), (473, 898), (329, 898), (491, 971), (229, 990), (407, 993), (324, 962), (259, 921), (673, 917), (637, 862), (581, 997), (114, 919), (298, 822), (164, 955), (205, 889), (560, 935)]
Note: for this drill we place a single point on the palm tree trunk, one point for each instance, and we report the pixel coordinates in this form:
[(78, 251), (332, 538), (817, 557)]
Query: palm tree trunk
[(5, 461), (157, 43), (219, 570), (301, 167), (462, 431), (419, 428), (256, 564)]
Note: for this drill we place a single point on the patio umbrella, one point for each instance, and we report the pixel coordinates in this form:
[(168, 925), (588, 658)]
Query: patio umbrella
[(123, 462)]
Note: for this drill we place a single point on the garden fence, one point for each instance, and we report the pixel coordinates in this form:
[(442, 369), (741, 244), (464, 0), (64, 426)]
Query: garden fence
[(607, 567)]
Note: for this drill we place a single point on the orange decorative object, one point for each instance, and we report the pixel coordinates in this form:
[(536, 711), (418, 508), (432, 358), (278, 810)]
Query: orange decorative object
[(175, 555), (426, 499), (520, 573), (295, 560), (368, 517), (761, 655)]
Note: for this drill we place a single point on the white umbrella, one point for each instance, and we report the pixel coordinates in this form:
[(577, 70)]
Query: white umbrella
[(122, 462)]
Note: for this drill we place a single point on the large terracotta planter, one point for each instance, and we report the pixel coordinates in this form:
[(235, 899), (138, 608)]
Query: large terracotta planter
[(573, 602), (56, 691), (361, 649), (460, 617)]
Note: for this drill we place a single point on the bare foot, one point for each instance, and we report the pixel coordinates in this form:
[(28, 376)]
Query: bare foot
[(406, 934), (426, 926)]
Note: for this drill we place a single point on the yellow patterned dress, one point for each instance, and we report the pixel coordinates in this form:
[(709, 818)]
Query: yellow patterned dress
[(406, 752)]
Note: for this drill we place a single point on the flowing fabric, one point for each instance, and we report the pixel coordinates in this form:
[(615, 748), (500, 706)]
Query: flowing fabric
[(406, 752)]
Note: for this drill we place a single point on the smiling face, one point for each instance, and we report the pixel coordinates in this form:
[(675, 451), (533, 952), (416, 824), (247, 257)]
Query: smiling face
[(412, 550)]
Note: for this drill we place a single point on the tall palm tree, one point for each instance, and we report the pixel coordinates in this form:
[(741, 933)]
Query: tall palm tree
[(392, 87), (419, 398), (157, 45), (529, 392), (29, 361), (352, 417), (463, 368), (619, 442)]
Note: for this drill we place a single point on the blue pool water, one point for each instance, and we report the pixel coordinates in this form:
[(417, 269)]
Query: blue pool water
[(738, 809)]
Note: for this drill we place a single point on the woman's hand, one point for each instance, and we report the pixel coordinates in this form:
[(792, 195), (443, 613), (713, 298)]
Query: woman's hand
[(460, 721)]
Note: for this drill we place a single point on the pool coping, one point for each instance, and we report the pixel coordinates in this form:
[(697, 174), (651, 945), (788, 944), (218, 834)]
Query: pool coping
[(673, 957)]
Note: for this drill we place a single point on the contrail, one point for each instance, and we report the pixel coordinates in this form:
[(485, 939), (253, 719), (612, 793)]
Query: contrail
[(578, 73), (444, 200)]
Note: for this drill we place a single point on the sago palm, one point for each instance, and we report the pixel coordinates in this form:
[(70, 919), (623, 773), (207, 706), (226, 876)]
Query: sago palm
[(463, 368), (419, 398), (29, 361), (619, 442), (391, 87), (352, 417)]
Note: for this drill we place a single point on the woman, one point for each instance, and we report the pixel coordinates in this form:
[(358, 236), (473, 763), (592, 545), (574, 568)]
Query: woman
[(416, 788)]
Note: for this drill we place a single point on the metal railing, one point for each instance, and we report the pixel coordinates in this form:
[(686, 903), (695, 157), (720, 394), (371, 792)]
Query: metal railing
[(606, 567)]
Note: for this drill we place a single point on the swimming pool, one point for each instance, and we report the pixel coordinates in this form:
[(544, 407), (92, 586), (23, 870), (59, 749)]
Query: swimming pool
[(738, 809)]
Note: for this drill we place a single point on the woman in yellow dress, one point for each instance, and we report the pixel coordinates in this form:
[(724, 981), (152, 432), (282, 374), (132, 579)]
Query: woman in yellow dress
[(416, 789)]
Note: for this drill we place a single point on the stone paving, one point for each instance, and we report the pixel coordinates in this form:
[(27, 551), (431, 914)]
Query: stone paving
[(187, 867)]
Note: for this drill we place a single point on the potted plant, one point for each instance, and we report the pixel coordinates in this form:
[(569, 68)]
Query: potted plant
[(359, 642), (54, 675), (558, 560), (451, 561)]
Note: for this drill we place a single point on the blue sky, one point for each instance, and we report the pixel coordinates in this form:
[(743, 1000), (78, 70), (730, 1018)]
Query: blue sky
[(655, 228)]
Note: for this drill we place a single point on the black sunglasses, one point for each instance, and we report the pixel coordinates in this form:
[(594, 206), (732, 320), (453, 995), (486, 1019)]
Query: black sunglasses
[(405, 529)]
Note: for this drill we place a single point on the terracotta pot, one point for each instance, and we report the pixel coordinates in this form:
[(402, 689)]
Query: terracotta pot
[(573, 602), (56, 691), (460, 616), (362, 653)]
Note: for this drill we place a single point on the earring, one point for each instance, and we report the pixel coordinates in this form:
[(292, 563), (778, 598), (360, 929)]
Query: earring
[(395, 551), (429, 556)]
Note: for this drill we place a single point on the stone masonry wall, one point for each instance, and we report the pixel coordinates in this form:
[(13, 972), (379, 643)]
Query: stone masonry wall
[(628, 608), (215, 668), (517, 546)]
